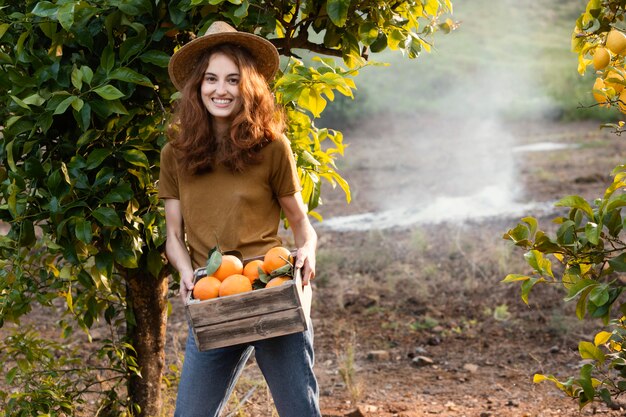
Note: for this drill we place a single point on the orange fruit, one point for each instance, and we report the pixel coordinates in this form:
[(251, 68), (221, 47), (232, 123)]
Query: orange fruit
[(616, 41), (235, 284), (230, 265), (601, 58), (275, 282), (251, 269), (206, 288), (275, 258)]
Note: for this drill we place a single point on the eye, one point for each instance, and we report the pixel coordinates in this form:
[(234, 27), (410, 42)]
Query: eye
[(233, 80), (210, 78)]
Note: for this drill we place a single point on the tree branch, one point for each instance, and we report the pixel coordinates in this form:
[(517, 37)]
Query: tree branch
[(285, 46)]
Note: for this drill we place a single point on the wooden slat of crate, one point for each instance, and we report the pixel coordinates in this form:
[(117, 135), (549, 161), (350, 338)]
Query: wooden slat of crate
[(273, 324), (234, 307)]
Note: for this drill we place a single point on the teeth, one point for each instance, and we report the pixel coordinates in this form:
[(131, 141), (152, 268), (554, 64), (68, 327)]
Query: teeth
[(221, 101)]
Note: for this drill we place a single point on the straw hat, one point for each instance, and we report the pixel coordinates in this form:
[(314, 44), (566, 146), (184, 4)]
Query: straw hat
[(183, 61)]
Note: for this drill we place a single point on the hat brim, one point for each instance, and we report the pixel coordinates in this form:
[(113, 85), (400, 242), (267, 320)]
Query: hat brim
[(184, 60)]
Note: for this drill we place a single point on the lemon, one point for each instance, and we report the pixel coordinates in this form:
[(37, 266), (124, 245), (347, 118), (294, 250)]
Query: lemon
[(600, 97), (616, 41), (601, 58)]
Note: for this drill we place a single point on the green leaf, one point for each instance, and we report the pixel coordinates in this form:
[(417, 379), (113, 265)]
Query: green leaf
[(83, 116), (585, 383), (581, 305), (532, 225), (213, 262), (87, 74), (136, 157), (368, 33), (588, 350), (599, 295), (566, 233), (3, 29), (283, 270), (616, 202), (77, 78), (575, 201), (135, 7), (108, 92), (264, 278), (528, 285), (130, 76), (104, 262), (106, 216), (515, 277), (592, 232), (579, 287), (19, 102), (155, 263), (66, 15), (158, 58), (539, 263), (62, 107), (27, 233), (107, 59), (119, 194), (45, 9), (519, 235), (379, 44), (96, 157), (131, 47), (338, 11), (34, 100), (619, 262), (83, 230), (125, 256), (241, 11), (87, 137)]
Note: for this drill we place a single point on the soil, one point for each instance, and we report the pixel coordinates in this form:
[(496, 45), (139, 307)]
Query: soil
[(414, 321)]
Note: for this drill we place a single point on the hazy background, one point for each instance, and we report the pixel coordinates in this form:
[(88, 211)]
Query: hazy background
[(434, 138)]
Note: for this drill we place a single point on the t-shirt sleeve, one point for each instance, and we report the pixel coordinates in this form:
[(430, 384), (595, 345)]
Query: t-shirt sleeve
[(285, 180), (168, 174)]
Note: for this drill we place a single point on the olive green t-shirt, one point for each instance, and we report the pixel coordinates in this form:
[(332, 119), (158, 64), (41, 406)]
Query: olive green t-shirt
[(240, 211)]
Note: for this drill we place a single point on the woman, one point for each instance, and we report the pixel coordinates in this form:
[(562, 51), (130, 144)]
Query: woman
[(226, 174)]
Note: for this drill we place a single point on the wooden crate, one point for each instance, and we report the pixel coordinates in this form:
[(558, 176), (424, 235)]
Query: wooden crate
[(250, 316)]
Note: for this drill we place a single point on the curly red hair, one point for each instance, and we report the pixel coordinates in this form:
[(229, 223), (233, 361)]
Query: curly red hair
[(259, 121)]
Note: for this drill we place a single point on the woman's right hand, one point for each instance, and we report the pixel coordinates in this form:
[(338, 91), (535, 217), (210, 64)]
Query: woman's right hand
[(175, 247), (186, 285)]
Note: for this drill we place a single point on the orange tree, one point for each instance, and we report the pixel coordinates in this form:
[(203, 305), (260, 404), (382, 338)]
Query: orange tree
[(589, 245), (85, 99)]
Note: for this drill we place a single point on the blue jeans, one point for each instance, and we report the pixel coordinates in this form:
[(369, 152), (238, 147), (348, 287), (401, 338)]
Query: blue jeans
[(209, 377)]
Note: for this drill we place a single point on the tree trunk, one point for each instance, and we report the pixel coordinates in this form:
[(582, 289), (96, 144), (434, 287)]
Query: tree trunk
[(147, 297)]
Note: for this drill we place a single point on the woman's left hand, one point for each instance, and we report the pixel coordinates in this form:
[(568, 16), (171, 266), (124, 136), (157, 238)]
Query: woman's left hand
[(303, 233), (305, 259)]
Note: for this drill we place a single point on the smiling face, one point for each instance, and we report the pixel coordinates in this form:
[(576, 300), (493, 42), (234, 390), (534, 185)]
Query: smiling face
[(220, 89)]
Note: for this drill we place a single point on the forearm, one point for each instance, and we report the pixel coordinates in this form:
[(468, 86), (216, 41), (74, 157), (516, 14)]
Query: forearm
[(177, 255), (304, 235)]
